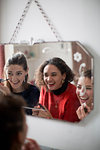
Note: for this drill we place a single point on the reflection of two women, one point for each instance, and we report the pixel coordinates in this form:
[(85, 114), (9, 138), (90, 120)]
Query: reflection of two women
[(58, 95)]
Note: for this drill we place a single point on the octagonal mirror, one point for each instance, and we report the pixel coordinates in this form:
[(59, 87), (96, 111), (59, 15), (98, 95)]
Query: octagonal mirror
[(66, 99)]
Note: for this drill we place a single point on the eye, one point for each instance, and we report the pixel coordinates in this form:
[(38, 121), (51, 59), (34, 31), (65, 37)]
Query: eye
[(9, 73), (78, 86), (19, 73), (45, 75), (88, 88), (54, 74)]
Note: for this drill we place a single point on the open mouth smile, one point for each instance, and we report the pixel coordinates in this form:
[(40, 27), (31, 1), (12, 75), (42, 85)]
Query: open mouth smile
[(83, 99), (15, 83)]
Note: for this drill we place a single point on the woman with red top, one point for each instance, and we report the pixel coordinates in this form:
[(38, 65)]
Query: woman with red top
[(57, 95)]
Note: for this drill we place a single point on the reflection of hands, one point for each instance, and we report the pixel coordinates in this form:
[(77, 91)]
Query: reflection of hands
[(83, 111), (5, 90), (30, 144), (41, 112)]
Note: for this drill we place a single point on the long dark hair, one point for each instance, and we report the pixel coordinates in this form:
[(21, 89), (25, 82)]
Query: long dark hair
[(60, 64), (17, 59)]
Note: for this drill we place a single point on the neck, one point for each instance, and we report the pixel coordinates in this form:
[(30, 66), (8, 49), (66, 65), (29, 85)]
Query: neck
[(62, 89), (18, 90)]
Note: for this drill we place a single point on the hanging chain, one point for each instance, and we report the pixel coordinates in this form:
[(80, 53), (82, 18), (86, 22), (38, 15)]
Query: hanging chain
[(53, 29), (19, 24)]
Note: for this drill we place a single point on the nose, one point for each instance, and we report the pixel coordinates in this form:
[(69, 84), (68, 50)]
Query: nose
[(49, 78), (13, 78), (83, 90)]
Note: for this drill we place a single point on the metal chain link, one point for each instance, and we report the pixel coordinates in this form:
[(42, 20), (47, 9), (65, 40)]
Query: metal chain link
[(53, 29), (19, 24)]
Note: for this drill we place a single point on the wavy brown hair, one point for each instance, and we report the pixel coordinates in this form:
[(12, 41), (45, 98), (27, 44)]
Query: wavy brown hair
[(60, 64)]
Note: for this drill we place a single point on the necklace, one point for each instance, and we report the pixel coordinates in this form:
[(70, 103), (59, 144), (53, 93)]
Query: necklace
[(57, 101), (56, 105), (58, 96)]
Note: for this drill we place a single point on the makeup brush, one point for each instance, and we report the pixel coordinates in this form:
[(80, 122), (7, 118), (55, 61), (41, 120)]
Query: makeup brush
[(2, 80)]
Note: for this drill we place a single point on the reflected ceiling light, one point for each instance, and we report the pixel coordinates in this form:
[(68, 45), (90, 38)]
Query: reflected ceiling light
[(46, 50)]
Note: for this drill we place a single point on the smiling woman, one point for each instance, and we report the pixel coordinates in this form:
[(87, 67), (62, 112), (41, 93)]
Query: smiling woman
[(16, 70), (57, 94), (85, 94)]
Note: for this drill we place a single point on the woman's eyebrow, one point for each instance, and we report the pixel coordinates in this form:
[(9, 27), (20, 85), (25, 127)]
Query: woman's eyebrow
[(47, 72), (9, 71), (53, 72), (88, 85)]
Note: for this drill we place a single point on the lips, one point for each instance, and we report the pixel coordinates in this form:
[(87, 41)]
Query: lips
[(50, 85), (14, 84), (83, 99)]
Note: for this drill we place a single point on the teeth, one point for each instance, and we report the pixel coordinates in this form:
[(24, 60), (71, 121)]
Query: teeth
[(16, 83), (51, 83), (84, 98)]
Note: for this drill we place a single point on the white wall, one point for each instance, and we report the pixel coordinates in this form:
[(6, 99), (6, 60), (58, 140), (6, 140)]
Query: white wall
[(75, 20)]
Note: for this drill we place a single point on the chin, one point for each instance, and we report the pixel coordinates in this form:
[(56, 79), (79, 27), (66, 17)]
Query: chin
[(51, 89), (15, 87)]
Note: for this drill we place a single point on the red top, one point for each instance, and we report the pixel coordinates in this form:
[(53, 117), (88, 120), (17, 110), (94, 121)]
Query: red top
[(61, 106)]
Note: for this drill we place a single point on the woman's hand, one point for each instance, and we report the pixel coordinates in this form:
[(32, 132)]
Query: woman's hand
[(4, 90), (83, 111), (30, 144), (41, 112)]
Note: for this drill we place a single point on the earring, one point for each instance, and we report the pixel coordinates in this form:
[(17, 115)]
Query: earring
[(24, 79), (63, 80)]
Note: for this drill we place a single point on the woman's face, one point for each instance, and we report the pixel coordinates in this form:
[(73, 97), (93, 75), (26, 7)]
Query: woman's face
[(84, 90), (53, 77), (16, 75)]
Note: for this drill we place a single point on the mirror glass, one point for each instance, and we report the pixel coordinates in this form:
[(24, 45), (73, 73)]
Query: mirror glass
[(77, 58)]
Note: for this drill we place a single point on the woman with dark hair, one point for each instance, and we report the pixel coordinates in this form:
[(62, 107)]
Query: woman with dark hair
[(16, 73), (84, 92), (57, 95), (13, 127)]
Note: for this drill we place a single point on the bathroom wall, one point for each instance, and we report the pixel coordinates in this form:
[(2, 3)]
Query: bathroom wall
[(75, 20)]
